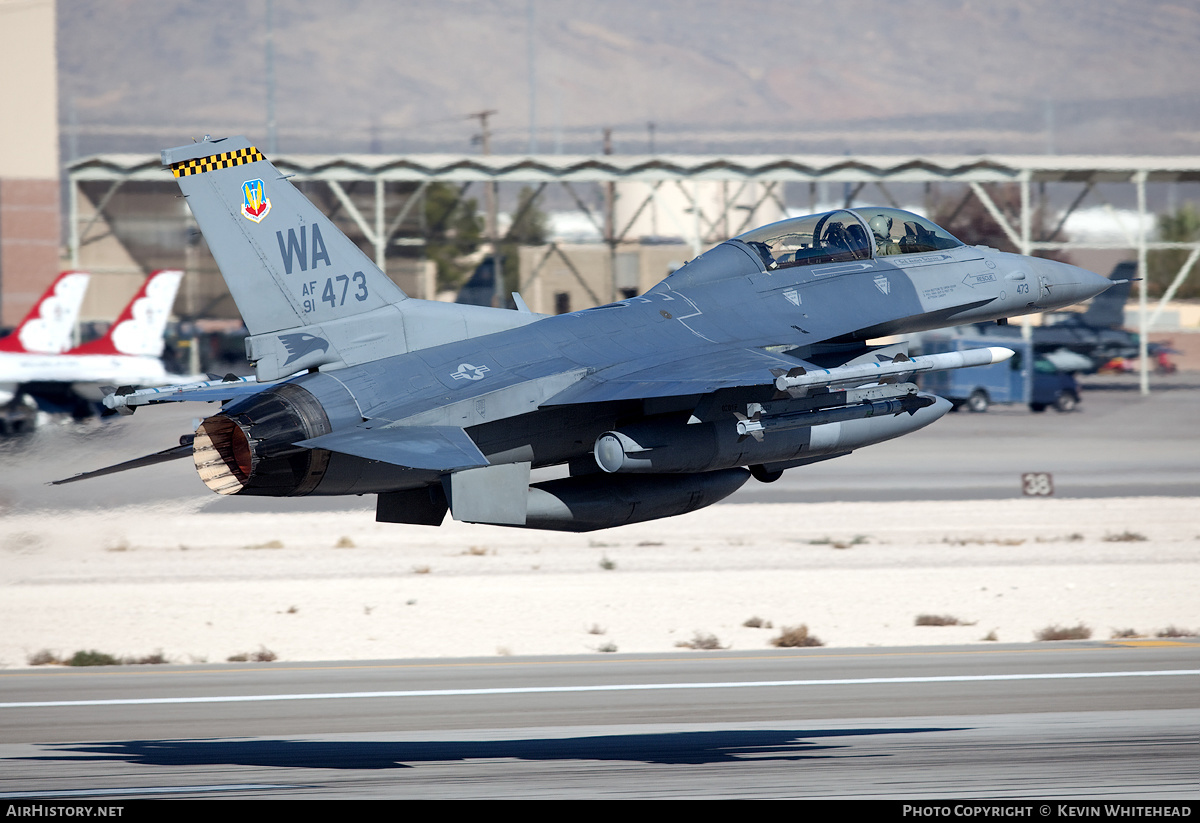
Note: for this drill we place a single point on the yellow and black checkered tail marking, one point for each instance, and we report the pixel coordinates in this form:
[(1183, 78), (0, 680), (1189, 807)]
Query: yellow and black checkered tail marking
[(217, 161)]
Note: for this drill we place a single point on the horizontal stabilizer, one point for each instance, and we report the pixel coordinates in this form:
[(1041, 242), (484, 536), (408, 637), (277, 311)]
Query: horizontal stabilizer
[(434, 448), (184, 449)]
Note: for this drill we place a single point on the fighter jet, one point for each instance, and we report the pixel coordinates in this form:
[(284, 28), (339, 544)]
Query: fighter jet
[(752, 359)]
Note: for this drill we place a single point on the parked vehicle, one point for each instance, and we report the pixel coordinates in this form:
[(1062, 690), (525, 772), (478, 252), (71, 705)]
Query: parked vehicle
[(1024, 378)]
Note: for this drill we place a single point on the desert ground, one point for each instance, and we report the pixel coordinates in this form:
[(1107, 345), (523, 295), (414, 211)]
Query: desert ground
[(195, 586)]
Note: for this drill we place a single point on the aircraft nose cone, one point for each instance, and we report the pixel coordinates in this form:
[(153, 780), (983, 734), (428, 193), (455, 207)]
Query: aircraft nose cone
[(1063, 284), (1090, 284)]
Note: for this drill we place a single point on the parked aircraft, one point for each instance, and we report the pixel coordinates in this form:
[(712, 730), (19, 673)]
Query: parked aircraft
[(750, 360), (128, 355), (49, 327), (1095, 334)]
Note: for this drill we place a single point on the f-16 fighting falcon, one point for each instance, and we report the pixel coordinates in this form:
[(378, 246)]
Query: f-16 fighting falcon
[(750, 360)]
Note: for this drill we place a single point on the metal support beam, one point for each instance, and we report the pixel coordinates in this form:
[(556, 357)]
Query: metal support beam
[(553, 248), (79, 238), (1026, 216), (380, 235), (371, 234), (1143, 326), (852, 193), (406, 209), (1174, 287), (996, 214), (887, 194), (1066, 215), (734, 174)]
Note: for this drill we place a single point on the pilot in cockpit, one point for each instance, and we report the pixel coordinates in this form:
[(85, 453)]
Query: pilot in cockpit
[(881, 227)]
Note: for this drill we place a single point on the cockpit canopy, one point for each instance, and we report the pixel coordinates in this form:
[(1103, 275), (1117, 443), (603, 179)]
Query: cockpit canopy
[(845, 235)]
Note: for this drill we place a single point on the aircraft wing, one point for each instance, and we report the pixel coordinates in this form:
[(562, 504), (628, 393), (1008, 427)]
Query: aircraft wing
[(743, 368), (663, 377)]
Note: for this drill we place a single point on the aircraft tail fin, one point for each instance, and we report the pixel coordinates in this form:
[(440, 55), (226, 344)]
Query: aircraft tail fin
[(309, 296), (1107, 309), (48, 326), (286, 264), (138, 330)]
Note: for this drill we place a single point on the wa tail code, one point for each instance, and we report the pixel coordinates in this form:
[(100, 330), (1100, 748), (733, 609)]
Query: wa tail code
[(296, 250)]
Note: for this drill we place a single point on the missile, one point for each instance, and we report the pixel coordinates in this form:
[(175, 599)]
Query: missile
[(802, 378)]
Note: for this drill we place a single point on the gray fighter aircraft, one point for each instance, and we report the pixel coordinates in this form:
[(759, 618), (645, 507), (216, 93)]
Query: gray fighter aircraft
[(750, 360)]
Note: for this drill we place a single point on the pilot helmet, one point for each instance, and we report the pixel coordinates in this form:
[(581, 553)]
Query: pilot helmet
[(881, 225)]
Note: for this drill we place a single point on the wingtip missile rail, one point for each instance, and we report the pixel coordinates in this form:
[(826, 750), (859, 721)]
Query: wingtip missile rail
[(125, 400)]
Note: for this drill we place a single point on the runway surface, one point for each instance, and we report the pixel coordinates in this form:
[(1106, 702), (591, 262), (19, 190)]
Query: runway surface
[(1074, 720)]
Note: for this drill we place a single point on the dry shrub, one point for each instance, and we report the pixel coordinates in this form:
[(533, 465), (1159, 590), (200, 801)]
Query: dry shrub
[(793, 637), (1125, 537), (155, 659), (263, 655), (702, 641), (1176, 631), (940, 620), (270, 544), (92, 658), (1079, 632)]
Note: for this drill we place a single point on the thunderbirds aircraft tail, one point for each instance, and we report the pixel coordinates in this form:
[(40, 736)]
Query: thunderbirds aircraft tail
[(128, 355), (50, 324), (308, 295), (138, 330)]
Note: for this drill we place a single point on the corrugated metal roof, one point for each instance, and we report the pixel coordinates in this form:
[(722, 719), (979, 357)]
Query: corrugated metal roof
[(649, 168)]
